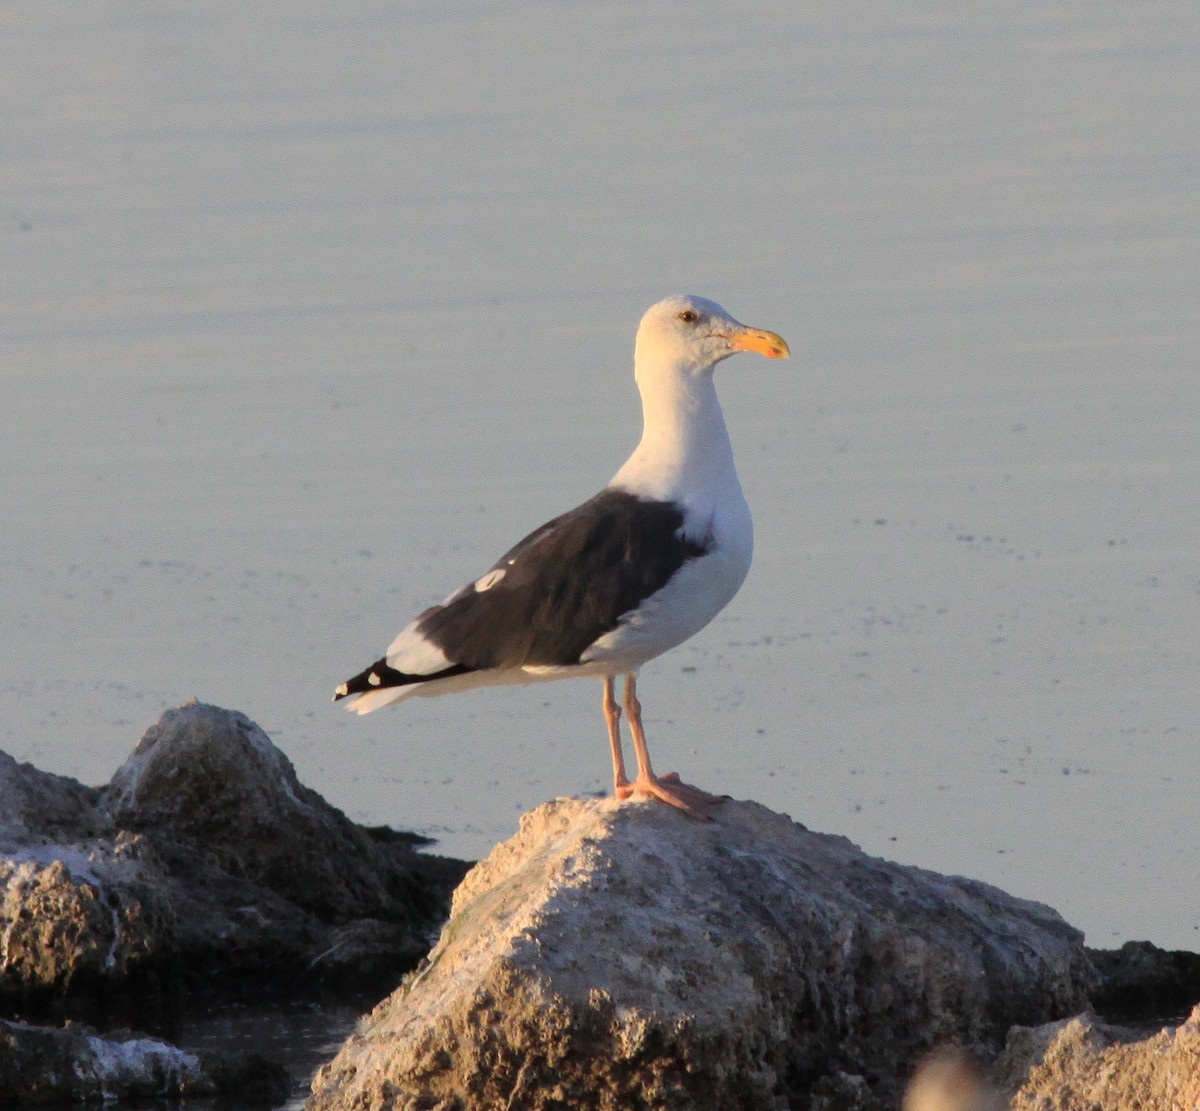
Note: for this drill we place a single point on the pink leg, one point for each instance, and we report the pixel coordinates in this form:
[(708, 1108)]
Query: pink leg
[(669, 788), (612, 716)]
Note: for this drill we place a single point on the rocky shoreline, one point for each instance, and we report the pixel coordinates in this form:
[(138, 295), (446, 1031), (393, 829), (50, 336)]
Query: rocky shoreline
[(608, 955), (203, 872)]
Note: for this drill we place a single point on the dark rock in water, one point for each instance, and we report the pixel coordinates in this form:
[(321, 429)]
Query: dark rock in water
[(253, 846), (208, 779), (623, 956), (1140, 982), (205, 863), (37, 807), (41, 1066)]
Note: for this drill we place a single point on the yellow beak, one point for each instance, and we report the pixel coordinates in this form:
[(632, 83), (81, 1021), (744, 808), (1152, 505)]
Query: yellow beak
[(761, 341)]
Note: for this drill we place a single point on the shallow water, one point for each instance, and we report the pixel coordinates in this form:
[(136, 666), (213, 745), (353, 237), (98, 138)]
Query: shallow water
[(306, 317), (300, 1038)]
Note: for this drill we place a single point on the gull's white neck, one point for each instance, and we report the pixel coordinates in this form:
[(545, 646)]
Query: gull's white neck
[(684, 454)]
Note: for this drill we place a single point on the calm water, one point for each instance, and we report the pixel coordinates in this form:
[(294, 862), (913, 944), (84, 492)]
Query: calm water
[(306, 317), (300, 1038)]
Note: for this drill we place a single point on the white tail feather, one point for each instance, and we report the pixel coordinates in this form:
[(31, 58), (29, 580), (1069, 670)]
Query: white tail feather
[(372, 700)]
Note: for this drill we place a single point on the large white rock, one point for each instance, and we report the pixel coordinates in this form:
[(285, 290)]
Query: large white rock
[(625, 956)]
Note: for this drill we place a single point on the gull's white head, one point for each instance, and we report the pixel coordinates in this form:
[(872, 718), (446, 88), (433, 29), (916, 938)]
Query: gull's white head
[(692, 334)]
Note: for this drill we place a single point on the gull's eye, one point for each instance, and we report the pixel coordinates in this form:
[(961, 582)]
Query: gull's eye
[(689, 316)]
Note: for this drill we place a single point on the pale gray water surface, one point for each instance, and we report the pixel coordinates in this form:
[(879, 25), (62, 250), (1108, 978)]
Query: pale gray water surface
[(307, 316)]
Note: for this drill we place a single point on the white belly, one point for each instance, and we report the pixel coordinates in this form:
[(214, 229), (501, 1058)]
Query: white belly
[(692, 598)]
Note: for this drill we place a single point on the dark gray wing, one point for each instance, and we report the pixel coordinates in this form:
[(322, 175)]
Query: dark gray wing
[(564, 585)]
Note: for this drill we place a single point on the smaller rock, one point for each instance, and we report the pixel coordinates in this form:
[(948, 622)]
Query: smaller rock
[(76, 917), (208, 780), (206, 865), (1142, 983), (1081, 1065), (40, 1066), (37, 807)]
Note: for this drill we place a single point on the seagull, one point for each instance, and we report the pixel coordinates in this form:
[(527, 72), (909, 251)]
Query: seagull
[(609, 585)]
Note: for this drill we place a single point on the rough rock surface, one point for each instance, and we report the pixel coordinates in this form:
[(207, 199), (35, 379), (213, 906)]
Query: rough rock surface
[(205, 860), (76, 918), (625, 956), (211, 779), (37, 807), (76, 1065), (1083, 1065)]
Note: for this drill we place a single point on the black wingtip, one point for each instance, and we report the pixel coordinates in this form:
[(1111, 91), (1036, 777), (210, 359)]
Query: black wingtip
[(369, 679), (379, 675)]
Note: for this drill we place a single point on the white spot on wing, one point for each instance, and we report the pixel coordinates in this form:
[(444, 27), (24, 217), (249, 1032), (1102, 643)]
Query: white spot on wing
[(490, 579), (374, 679), (343, 690)]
